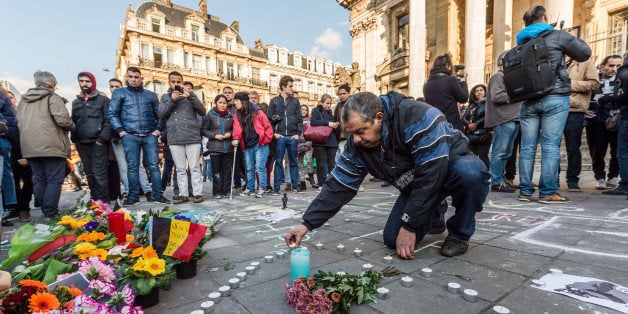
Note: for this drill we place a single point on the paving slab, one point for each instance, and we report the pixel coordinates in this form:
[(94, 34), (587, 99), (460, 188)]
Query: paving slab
[(504, 259)]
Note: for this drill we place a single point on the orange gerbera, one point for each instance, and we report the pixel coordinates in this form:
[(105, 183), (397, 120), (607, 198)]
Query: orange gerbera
[(149, 252), (74, 291), (43, 302), (34, 283)]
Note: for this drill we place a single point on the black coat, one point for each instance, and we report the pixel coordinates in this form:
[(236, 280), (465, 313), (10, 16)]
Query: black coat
[(289, 111), (444, 92), (214, 124), (90, 118)]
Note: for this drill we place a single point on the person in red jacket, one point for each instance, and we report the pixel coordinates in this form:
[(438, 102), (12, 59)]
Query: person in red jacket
[(253, 132)]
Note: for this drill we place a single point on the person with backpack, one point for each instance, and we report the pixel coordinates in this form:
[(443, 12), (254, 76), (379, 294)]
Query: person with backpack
[(541, 53)]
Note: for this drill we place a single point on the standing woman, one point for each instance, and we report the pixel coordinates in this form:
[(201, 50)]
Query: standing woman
[(473, 119), (217, 128), (325, 153), (444, 91), (305, 149), (253, 132)]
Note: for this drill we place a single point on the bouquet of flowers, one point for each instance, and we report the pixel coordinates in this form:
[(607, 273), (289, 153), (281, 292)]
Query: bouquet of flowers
[(35, 296), (143, 270)]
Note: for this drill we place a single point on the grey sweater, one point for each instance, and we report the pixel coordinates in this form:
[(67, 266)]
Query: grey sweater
[(498, 108)]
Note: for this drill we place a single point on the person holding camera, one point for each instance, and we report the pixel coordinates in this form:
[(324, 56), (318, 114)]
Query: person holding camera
[(218, 128), (444, 91), (473, 119), (179, 108)]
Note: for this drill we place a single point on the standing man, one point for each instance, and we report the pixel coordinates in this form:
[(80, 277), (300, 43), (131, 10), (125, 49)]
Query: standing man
[(179, 108), (284, 112), (239, 156), (411, 145), (341, 134), (92, 134), (584, 80), (133, 115), (45, 122), (548, 113), (503, 117), (598, 137)]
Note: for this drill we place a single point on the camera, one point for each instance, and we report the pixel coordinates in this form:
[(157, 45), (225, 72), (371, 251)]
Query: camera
[(459, 71), (274, 119), (178, 88)]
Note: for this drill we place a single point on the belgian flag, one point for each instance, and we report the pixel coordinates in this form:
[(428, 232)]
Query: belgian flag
[(176, 238)]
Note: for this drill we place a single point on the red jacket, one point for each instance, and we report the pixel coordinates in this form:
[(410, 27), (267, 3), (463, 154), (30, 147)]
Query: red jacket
[(261, 125)]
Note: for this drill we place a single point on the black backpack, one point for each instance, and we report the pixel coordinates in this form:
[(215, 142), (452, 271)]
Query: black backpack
[(528, 74)]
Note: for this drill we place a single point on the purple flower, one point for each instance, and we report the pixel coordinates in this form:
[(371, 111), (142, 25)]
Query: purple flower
[(181, 217), (102, 286), (130, 309), (90, 226)]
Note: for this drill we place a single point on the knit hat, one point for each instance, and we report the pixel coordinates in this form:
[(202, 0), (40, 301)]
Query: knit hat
[(241, 96)]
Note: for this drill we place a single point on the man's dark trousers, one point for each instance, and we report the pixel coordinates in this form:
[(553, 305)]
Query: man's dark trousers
[(573, 141), (94, 158), (48, 176)]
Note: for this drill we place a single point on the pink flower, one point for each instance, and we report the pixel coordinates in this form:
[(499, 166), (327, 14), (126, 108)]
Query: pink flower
[(130, 309), (102, 286), (105, 272), (63, 276), (85, 304)]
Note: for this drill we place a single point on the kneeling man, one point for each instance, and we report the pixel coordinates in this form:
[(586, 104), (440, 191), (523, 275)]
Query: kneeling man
[(410, 145)]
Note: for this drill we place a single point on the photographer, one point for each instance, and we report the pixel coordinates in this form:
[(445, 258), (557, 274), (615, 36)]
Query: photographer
[(444, 91)]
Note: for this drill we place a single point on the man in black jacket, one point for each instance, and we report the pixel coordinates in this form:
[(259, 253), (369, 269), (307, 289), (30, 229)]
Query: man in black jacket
[(411, 145), (93, 132)]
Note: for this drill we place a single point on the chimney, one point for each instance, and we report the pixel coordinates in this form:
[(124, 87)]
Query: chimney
[(236, 26), (168, 3), (202, 7)]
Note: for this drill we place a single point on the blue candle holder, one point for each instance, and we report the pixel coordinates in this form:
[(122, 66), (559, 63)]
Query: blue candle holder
[(300, 263)]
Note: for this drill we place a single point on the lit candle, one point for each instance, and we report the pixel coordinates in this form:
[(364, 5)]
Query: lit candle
[(382, 293), (340, 248), (347, 219), (225, 291), (255, 265), (241, 275), (250, 270), (388, 259), (292, 247), (234, 283), (319, 246), (208, 307), (453, 287), (357, 252), (406, 281), (470, 295), (258, 231), (268, 259), (214, 297), (426, 272), (280, 255), (498, 309), (367, 267), (300, 263)]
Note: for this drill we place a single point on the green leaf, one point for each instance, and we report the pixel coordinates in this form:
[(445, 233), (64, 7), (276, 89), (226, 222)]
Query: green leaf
[(229, 266), (145, 285), (360, 295)]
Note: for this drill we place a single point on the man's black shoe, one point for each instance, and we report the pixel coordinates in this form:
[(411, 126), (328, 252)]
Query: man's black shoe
[(162, 199), (149, 197), (616, 191), (6, 223), (441, 226), (503, 187), (130, 202), (10, 214), (452, 247)]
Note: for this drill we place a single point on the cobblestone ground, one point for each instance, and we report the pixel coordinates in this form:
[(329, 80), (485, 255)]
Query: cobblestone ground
[(514, 243)]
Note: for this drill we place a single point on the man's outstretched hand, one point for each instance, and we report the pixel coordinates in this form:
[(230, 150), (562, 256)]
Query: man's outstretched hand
[(295, 235), (405, 243)]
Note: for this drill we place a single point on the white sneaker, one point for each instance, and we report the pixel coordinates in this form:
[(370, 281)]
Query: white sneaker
[(613, 183), (260, 193), (601, 184), (245, 193)]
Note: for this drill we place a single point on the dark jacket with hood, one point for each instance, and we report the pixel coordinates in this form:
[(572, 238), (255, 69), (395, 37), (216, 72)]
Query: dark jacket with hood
[(89, 114), (559, 44), (182, 126), (134, 110), (444, 92), (214, 124), (418, 144), (475, 114), (289, 110)]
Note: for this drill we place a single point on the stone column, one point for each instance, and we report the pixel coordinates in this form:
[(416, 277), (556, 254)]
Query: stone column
[(475, 38), (559, 10), (417, 33), (502, 29)]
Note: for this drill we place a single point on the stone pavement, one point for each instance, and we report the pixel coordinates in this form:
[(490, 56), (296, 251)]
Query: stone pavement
[(514, 243)]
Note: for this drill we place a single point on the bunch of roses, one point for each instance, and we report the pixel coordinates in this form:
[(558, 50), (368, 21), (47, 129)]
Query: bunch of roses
[(304, 301)]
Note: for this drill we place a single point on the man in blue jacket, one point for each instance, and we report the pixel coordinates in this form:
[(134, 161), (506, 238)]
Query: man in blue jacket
[(133, 115), (411, 145)]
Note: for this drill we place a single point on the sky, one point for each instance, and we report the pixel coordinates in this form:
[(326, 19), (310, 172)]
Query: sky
[(69, 36)]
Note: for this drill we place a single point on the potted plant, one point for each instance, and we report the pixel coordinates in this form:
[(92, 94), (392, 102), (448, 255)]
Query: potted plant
[(187, 270), (146, 273)]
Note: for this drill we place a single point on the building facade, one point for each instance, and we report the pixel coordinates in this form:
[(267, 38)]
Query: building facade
[(395, 41), (159, 37)]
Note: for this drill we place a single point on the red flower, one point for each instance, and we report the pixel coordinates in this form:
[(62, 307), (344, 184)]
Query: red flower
[(310, 283), (335, 297)]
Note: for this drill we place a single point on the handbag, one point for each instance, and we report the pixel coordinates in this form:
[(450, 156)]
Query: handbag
[(478, 136), (612, 122), (316, 134)]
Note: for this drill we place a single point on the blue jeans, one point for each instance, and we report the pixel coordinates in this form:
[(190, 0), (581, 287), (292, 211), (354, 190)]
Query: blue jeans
[(546, 116), (255, 160), (622, 151), (289, 145), (573, 141), (132, 145), (207, 169), (503, 138), (467, 183), (8, 183)]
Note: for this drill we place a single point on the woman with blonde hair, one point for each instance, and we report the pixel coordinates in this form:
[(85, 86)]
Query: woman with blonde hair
[(324, 153)]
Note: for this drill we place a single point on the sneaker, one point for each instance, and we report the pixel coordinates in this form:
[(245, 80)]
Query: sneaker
[(25, 216), (441, 227), (612, 183), (554, 199), (162, 199), (453, 247), (276, 192), (288, 187), (524, 198), (198, 199), (573, 187), (6, 223), (260, 193), (245, 193), (149, 197), (297, 190), (130, 202), (601, 184), (181, 200), (503, 187), (10, 214), (217, 196), (616, 191), (226, 195)]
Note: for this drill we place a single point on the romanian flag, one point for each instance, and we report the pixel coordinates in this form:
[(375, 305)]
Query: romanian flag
[(176, 238)]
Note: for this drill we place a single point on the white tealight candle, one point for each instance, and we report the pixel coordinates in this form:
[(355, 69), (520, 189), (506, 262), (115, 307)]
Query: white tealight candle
[(555, 271), (234, 283), (241, 275), (453, 287), (208, 307), (357, 252), (470, 295), (347, 219), (292, 247), (426, 272), (498, 309), (367, 267), (382, 293), (250, 270), (319, 246), (406, 281), (280, 255), (340, 248), (388, 259), (341, 273), (225, 291), (538, 282), (269, 259), (327, 224), (255, 265), (198, 312), (214, 297)]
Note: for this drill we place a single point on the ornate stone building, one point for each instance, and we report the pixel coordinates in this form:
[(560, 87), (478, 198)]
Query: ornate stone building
[(395, 41), (160, 37)]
